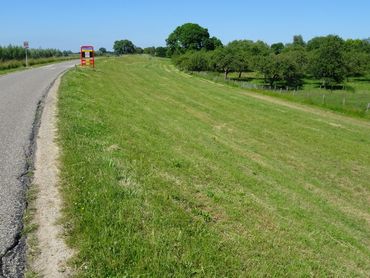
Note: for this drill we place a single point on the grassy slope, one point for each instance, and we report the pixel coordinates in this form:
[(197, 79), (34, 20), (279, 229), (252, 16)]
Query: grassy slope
[(170, 175)]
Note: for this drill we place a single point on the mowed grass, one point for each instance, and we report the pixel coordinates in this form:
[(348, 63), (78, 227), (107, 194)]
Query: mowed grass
[(354, 100), (169, 175)]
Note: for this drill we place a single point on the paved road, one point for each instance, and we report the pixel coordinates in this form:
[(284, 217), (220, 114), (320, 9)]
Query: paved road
[(20, 94)]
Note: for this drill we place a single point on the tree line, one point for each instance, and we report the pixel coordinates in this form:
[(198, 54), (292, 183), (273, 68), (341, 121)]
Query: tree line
[(329, 59), (124, 47), (13, 52)]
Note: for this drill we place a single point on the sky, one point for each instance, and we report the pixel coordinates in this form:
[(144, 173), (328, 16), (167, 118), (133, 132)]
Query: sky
[(67, 24)]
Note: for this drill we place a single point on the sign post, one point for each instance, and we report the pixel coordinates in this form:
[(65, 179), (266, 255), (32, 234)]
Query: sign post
[(26, 46), (87, 56)]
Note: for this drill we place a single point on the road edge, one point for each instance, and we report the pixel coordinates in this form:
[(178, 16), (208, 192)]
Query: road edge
[(50, 253), (13, 262)]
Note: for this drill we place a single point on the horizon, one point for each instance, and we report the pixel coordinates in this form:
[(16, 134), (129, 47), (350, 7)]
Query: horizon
[(149, 24)]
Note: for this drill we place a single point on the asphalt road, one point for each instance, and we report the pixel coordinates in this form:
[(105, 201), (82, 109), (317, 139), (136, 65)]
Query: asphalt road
[(20, 94)]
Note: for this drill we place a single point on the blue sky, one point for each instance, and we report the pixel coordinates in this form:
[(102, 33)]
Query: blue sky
[(68, 24)]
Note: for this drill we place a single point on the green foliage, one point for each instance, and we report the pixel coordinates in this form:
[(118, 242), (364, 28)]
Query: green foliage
[(12, 52), (190, 36), (327, 60), (149, 50), (298, 41), (277, 47), (14, 64), (122, 47), (330, 58), (193, 61), (212, 43), (161, 51), (103, 50), (223, 60)]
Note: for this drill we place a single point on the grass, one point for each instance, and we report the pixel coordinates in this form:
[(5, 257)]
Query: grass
[(16, 65), (29, 230), (168, 175), (353, 100)]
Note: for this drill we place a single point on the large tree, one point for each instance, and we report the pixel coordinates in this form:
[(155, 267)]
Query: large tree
[(277, 47), (327, 60), (223, 60), (190, 36), (124, 47)]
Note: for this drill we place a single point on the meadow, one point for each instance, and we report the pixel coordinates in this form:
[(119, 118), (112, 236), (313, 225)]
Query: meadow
[(165, 174), (351, 98)]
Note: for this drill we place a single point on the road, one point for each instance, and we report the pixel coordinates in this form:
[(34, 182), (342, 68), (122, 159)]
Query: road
[(20, 95)]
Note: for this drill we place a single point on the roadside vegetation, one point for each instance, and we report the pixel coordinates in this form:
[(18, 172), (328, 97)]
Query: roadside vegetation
[(13, 57), (165, 174)]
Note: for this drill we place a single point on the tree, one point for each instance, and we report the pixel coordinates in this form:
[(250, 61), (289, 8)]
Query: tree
[(188, 36), (277, 47), (298, 41), (241, 51), (315, 43), (103, 50), (161, 51), (123, 47), (223, 60), (139, 50), (149, 50), (193, 61), (285, 68), (356, 63), (212, 43), (327, 60)]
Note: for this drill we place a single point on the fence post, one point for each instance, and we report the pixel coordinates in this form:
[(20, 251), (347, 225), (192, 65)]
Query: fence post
[(344, 101), (368, 107), (323, 99)]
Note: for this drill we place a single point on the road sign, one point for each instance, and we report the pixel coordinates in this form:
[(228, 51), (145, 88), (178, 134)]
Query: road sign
[(87, 55)]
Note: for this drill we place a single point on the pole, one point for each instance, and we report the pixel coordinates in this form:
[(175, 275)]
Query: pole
[(26, 58)]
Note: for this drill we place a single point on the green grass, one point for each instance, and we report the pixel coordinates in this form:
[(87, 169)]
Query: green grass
[(17, 65), (353, 100), (169, 175)]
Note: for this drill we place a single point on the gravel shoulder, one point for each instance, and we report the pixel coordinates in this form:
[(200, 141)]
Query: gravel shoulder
[(53, 252)]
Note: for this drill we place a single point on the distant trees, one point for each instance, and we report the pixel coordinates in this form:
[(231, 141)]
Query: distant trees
[(149, 50), (159, 51), (329, 59), (13, 52), (103, 50), (121, 47), (298, 40)]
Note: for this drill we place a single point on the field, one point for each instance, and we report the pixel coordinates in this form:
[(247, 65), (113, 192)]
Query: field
[(165, 174), (351, 98)]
